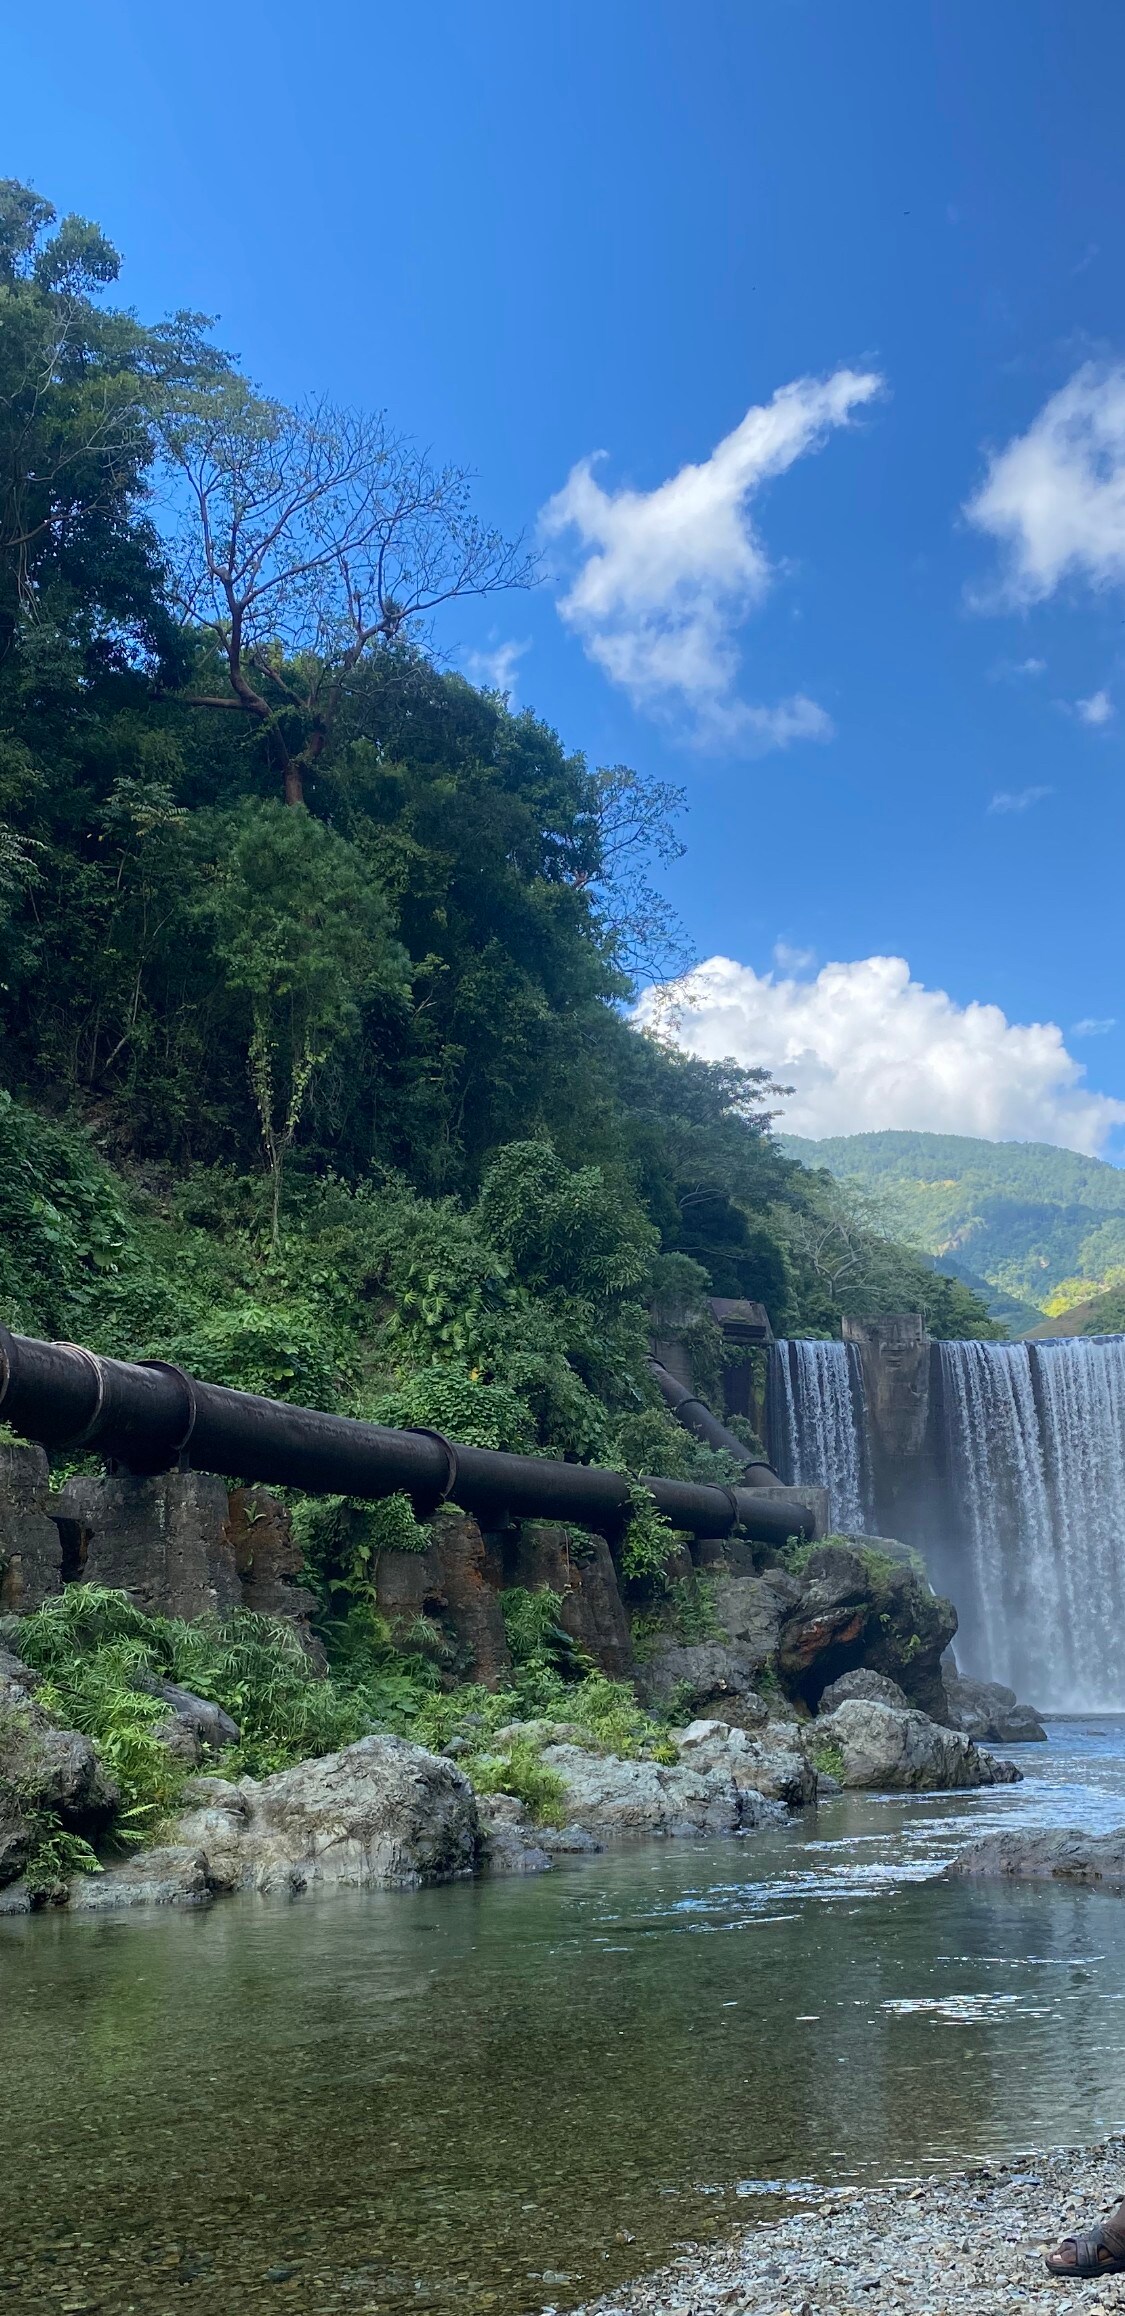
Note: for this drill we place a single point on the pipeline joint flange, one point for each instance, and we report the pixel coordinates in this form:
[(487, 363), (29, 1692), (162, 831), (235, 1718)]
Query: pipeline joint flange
[(424, 1505), (94, 1367), (178, 1447)]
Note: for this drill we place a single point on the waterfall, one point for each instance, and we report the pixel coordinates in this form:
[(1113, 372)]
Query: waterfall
[(1035, 1443), (817, 1402), (1018, 1497)]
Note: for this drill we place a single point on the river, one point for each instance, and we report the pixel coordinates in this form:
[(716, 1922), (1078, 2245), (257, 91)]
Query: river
[(507, 2096)]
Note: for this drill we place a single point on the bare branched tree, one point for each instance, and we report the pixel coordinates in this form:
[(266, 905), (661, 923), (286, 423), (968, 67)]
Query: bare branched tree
[(303, 540), (636, 825)]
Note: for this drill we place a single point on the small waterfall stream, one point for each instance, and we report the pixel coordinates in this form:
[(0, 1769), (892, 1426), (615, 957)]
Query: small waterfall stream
[(818, 1406)]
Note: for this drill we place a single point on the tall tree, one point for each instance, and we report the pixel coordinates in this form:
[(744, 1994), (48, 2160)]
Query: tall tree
[(302, 932), (76, 388), (635, 820), (303, 541)]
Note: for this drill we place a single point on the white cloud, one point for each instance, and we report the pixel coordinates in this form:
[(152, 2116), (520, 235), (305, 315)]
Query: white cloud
[(666, 577), (1055, 496), (792, 960), (495, 670), (754, 731), (865, 1047), (1017, 799), (1010, 671), (1093, 1025), (1098, 709)]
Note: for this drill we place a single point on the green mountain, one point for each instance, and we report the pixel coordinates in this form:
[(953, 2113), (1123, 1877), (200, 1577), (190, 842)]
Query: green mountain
[(1043, 1227)]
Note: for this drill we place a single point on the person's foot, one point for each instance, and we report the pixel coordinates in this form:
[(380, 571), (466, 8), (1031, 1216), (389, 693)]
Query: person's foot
[(1100, 2251)]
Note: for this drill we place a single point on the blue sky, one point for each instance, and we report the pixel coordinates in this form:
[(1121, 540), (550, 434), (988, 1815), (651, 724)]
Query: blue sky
[(535, 234)]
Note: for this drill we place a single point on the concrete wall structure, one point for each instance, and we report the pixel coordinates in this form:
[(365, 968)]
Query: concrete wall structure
[(895, 1355), (31, 1553)]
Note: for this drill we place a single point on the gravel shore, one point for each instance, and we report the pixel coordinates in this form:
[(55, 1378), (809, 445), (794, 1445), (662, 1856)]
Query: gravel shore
[(935, 2248)]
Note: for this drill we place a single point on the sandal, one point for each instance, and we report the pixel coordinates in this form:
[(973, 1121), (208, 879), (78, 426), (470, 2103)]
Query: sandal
[(1094, 2254)]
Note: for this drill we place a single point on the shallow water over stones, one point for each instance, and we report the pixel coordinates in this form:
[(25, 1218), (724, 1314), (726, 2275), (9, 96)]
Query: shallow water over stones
[(508, 2096)]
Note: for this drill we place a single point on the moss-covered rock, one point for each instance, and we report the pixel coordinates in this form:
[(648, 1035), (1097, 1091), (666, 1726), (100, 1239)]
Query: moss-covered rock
[(860, 1607)]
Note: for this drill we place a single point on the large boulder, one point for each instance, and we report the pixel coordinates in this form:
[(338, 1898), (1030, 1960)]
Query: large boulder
[(161, 1877), (381, 1814), (17, 1681), (511, 1843), (158, 1877), (1063, 1854), (990, 1713), (194, 1725), (515, 1844), (877, 1747), (769, 1761), (16, 1833), (864, 1687), (705, 1794), (716, 1676), (855, 1606)]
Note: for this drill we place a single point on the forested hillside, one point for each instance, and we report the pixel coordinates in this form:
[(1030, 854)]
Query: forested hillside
[(1046, 1227), (316, 959)]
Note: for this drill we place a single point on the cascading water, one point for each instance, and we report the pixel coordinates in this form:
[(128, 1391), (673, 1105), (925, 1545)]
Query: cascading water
[(1036, 1516), (1022, 1517), (817, 1398)]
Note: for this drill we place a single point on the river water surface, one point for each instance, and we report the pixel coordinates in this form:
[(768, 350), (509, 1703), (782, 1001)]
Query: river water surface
[(510, 2095)]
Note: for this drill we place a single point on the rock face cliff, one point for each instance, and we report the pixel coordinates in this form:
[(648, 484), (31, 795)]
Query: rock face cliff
[(858, 1607), (848, 1608)]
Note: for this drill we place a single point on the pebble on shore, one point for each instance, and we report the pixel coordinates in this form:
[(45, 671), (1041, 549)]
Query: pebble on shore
[(937, 2247)]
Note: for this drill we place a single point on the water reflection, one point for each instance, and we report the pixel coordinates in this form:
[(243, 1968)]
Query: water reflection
[(503, 2096)]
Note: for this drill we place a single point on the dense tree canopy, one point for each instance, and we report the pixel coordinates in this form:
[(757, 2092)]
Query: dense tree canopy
[(313, 1002)]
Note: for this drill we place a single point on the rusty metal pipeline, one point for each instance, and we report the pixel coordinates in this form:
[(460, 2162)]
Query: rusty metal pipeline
[(150, 1416), (696, 1416)]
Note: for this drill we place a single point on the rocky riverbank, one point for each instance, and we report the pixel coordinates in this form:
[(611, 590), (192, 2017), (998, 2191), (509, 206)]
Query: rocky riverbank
[(714, 1737), (974, 2241), (387, 1814)]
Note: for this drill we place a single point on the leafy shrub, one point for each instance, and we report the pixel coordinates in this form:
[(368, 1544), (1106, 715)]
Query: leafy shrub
[(607, 1711), (63, 1224), (95, 1691), (484, 1415), (534, 1634), (565, 1228), (518, 1770), (90, 1643), (273, 1350), (684, 1612), (649, 1540), (55, 1855), (341, 1538)]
